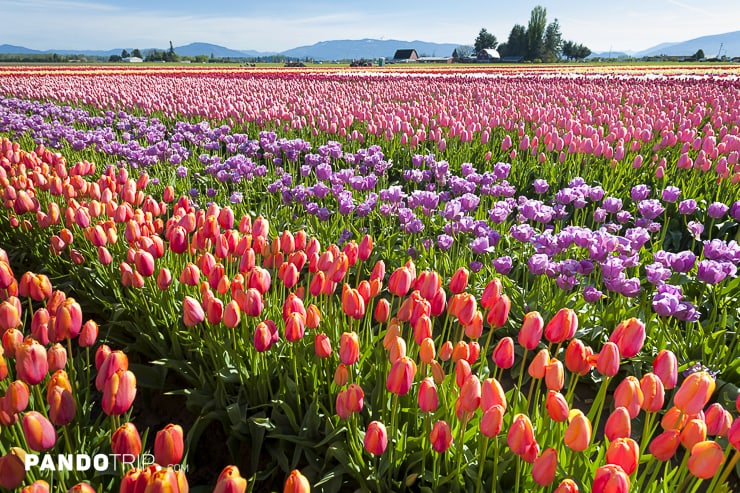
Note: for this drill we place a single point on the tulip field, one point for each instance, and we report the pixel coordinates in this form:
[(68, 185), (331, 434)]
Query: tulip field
[(497, 279)]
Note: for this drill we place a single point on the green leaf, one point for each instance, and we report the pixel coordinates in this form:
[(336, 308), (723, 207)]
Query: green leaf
[(149, 377)]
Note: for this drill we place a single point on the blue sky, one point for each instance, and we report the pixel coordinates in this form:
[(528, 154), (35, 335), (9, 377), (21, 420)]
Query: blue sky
[(279, 25)]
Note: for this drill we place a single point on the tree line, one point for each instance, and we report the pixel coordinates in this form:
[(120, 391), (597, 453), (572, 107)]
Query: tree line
[(539, 41)]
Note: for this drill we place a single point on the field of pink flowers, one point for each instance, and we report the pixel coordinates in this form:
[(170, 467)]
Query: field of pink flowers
[(506, 280)]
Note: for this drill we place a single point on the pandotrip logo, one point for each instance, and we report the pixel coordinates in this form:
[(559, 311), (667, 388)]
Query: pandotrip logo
[(97, 462)]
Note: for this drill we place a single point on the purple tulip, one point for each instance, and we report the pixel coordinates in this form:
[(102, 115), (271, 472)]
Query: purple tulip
[(687, 207), (540, 186), (717, 210), (640, 192), (671, 194), (591, 294), (503, 265)]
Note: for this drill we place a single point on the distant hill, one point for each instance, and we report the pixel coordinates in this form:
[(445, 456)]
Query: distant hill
[(709, 44), (194, 49), (619, 55), (18, 50), (367, 48)]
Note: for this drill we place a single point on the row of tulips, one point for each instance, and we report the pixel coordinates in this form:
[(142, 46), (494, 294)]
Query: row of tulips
[(228, 299)]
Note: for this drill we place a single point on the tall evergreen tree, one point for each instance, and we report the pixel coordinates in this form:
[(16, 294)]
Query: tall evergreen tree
[(536, 33), (517, 43), (485, 40), (553, 42)]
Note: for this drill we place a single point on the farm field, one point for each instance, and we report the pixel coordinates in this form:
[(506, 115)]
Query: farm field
[(499, 279)]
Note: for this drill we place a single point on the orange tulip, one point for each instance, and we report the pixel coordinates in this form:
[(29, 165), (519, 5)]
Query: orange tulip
[(539, 364), (674, 419), (665, 445), (119, 392), (607, 361), (400, 281), (349, 348), (169, 445), (499, 313), (545, 467), (428, 400), (491, 293), (718, 420), (694, 392), (629, 395), (16, 397), (446, 350), (126, 440), (341, 375), (567, 486), (629, 336), (577, 357), (530, 333), (556, 406), (562, 326), (578, 434), (401, 376), (554, 375), (40, 433), (521, 438), (38, 486), (295, 327), (88, 334), (322, 345), (68, 322), (653, 392), (81, 488), (624, 452), (31, 362), (230, 481), (470, 394), (492, 394), (492, 420), (427, 351), (167, 481), (611, 478), (12, 340), (297, 483), (376, 438), (441, 436), (694, 432), (618, 425), (706, 459)]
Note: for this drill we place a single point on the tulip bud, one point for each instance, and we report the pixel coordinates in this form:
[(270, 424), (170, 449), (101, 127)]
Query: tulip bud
[(491, 293), (693, 432), (428, 399), (665, 445), (503, 353), (470, 394), (119, 392), (578, 434), (624, 452), (629, 395), (706, 459), (40, 433), (12, 468), (718, 420), (538, 366), (230, 481), (562, 326), (674, 419), (56, 357), (16, 397), (88, 334), (694, 392), (459, 280), (68, 322), (607, 361), (567, 486), (126, 440), (297, 483), (556, 406), (665, 366), (401, 376), (554, 375), (530, 333), (492, 394), (62, 407), (169, 445), (629, 336), (193, 313), (545, 467), (611, 478), (349, 348), (31, 362), (521, 438), (38, 486), (492, 421), (322, 345), (400, 281), (577, 357), (441, 436), (341, 375), (376, 438), (618, 425), (499, 313)]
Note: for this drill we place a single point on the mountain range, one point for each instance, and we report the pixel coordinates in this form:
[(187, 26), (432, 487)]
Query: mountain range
[(727, 43)]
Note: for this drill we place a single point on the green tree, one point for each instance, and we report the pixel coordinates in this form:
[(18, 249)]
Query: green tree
[(114, 58), (463, 51), (137, 53), (124, 53), (536, 33), (517, 42), (575, 51), (553, 42), (699, 54), (171, 56), (485, 40)]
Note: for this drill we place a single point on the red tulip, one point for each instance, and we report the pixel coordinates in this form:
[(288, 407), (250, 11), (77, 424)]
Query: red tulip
[(499, 313), (322, 345), (653, 393), (556, 406), (428, 400), (12, 468), (706, 459), (40, 433), (400, 281), (169, 445), (88, 334), (376, 438), (521, 438), (491, 293), (441, 436), (629, 395), (577, 357), (126, 441), (193, 313), (665, 445), (503, 353), (530, 333), (607, 361), (567, 486), (62, 407), (718, 420), (492, 421), (349, 348), (611, 478), (665, 366), (470, 394), (545, 467), (459, 280)]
